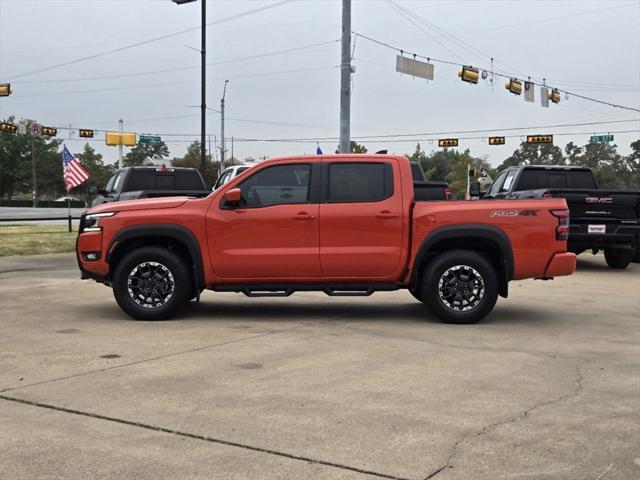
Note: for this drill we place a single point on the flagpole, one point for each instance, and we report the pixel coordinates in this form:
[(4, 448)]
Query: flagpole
[(67, 189)]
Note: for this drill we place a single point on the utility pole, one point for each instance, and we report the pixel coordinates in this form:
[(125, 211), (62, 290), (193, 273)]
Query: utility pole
[(345, 79), (121, 128), (222, 151), (203, 100), (203, 83)]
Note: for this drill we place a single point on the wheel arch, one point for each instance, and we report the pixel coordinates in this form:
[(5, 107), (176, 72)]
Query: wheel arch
[(176, 237), (487, 240)]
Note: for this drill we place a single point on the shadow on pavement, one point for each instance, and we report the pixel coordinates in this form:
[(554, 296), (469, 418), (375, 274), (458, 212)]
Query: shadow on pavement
[(253, 310)]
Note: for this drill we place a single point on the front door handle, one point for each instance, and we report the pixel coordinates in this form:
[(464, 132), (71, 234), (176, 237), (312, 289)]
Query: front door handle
[(386, 214), (303, 216)]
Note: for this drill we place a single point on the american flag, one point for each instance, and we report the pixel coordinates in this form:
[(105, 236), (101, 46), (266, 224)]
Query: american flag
[(73, 172)]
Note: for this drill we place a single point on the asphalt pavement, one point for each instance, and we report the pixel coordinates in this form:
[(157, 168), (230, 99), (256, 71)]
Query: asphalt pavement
[(546, 387), (40, 213)]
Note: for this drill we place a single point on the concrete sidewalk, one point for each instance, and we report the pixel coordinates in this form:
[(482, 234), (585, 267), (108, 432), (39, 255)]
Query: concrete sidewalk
[(547, 387)]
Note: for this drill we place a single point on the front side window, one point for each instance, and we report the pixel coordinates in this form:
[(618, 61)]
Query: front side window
[(359, 182), (508, 181), (115, 183), (278, 185), (497, 184)]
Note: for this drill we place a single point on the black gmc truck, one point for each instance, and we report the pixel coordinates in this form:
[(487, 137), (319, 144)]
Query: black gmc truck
[(132, 183), (600, 219)]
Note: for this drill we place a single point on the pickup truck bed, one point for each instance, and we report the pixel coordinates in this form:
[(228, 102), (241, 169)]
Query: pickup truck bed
[(600, 219), (341, 224)]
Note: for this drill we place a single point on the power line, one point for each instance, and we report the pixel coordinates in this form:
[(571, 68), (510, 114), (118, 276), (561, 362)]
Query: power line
[(177, 69), (165, 84), (549, 19), (502, 75), (150, 40), (420, 134)]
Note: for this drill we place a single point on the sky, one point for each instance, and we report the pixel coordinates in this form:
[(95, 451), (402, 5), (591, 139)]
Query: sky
[(282, 63)]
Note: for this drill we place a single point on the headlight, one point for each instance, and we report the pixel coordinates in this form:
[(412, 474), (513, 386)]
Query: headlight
[(91, 222)]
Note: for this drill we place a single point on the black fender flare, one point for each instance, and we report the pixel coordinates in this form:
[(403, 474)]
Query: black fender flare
[(175, 232), (468, 231)]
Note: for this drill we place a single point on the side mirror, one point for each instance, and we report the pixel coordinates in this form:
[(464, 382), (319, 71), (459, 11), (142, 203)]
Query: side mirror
[(233, 196), (474, 189)]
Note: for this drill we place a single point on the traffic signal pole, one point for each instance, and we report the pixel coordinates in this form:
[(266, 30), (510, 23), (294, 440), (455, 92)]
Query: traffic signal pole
[(33, 172), (345, 79), (121, 128)]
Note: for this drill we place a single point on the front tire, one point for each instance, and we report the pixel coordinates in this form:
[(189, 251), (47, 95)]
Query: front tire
[(618, 258), (460, 286), (151, 283)]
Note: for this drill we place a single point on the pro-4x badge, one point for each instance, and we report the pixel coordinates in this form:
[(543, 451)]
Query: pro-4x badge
[(514, 213)]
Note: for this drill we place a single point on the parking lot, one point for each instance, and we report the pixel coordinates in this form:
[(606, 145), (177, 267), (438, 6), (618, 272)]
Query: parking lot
[(547, 387)]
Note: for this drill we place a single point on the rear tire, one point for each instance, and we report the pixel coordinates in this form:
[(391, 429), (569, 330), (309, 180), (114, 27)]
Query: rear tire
[(618, 258), (152, 283), (460, 286)]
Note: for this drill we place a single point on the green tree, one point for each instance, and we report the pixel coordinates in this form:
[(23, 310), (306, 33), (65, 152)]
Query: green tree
[(437, 164), (631, 165), (355, 147), (143, 151), (603, 159), (16, 163), (459, 170), (191, 159), (534, 154)]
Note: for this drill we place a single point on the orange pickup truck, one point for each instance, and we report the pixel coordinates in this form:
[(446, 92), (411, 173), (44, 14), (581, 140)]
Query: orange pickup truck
[(340, 224)]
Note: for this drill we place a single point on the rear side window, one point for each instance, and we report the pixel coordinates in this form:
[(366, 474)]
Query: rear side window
[(359, 182), (278, 185), (188, 180)]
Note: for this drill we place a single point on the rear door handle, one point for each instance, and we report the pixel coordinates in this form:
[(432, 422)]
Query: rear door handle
[(385, 214), (303, 216)]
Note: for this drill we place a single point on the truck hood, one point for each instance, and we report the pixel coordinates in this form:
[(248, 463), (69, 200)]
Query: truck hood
[(142, 204)]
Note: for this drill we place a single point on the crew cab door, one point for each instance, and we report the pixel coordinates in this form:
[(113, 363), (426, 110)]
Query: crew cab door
[(361, 219), (273, 233)]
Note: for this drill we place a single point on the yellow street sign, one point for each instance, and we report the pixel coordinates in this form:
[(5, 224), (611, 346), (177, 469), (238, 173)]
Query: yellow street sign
[(128, 139)]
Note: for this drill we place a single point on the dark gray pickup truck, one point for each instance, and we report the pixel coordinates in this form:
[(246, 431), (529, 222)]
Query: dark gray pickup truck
[(600, 219), (132, 183)]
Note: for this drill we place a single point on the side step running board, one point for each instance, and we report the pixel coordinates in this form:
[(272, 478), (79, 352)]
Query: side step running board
[(284, 290)]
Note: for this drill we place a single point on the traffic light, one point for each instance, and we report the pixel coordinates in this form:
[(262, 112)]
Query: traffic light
[(539, 138), (469, 74), (49, 131), (554, 96), (497, 140), (85, 133), (5, 89), (8, 128), (448, 142), (514, 86)]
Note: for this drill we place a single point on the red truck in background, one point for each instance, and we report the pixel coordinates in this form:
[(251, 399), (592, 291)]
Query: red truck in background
[(341, 224)]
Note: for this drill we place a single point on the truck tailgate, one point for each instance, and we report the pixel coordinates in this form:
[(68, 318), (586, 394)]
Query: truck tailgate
[(600, 204)]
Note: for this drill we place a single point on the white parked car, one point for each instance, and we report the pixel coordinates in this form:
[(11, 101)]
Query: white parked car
[(229, 173)]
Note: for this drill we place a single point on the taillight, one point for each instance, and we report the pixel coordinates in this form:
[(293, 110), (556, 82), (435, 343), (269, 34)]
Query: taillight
[(562, 230), (447, 193)]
